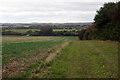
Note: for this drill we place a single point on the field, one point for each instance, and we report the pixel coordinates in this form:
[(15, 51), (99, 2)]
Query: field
[(58, 57), (20, 53)]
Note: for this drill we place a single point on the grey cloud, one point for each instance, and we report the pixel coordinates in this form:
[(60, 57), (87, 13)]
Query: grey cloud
[(59, 6), (48, 11)]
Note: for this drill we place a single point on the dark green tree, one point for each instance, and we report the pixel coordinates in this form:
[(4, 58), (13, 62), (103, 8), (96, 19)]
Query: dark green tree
[(46, 30), (107, 21)]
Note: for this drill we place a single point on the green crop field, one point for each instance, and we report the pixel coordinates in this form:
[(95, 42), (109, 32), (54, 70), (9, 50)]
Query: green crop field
[(19, 53), (58, 57)]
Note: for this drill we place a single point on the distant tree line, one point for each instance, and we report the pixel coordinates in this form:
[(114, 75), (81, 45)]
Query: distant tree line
[(4, 32), (44, 31), (106, 25)]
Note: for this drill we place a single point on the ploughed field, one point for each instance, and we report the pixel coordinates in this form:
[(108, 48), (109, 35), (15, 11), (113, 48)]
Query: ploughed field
[(58, 57)]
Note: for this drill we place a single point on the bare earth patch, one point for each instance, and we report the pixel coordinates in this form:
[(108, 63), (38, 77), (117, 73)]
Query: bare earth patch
[(53, 55), (14, 67)]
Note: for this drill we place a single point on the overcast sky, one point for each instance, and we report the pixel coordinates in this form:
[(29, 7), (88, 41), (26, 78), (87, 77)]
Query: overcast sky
[(49, 11)]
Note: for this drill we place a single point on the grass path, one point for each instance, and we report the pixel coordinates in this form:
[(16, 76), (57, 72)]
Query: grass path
[(86, 59)]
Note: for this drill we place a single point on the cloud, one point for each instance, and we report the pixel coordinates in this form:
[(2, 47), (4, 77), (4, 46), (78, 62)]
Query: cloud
[(49, 10)]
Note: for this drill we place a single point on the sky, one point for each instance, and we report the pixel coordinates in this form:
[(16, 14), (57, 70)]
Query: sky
[(49, 11)]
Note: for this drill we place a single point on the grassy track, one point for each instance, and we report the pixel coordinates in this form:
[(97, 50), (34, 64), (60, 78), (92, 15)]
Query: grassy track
[(86, 59)]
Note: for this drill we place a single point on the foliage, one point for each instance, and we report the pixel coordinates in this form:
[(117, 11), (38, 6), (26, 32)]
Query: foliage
[(46, 30), (106, 25), (81, 34), (87, 34), (107, 21), (107, 14)]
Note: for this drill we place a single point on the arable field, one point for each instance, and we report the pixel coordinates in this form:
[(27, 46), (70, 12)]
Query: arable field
[(58, 57), (23, 55)]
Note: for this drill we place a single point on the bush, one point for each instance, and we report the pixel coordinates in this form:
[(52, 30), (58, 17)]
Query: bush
[(81, 34)]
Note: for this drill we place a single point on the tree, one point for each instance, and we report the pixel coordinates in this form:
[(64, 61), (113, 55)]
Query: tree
[(110, 12), (46, 30), (107, 21)]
